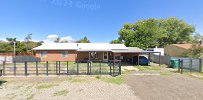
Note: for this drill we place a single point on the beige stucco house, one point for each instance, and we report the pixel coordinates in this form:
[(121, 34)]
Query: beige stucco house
[(177, 50)]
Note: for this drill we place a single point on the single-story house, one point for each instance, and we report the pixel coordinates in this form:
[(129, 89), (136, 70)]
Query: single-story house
[(177, 50), (86, 51)]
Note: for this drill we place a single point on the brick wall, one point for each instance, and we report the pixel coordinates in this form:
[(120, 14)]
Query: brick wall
[(72, 56), (57, 56), (85, 55)]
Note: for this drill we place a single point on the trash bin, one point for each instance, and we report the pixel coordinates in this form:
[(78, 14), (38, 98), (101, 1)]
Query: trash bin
[(174, 63)]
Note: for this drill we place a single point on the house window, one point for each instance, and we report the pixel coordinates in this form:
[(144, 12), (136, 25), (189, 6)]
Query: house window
[(94, 55), (105, 55), (64, 54), (43, 54)]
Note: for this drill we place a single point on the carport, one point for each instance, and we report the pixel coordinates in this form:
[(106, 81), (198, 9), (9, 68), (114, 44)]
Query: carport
[(131, 53)]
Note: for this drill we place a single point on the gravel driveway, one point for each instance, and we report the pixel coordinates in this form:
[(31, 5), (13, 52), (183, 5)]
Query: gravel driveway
[(173, 87), (63, 88)]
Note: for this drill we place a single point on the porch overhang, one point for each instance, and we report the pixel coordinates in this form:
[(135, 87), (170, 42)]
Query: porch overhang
[(93, 50)]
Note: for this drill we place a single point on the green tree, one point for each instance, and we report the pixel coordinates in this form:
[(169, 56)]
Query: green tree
[(5, 47), (142, 34), (83, 40), (27, 39), (20, 46), (178, 31), (196, 51), (11, 39), (197, 38), (155, 32), (116, 42)]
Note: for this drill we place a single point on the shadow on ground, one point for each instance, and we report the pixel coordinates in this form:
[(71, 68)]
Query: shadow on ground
[(2, 82)]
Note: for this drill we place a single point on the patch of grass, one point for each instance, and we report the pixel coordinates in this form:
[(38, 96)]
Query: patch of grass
[(125, 70), (46, 86), (30, 97), (194, 74), (98, 77), (114, 80), (146, 68), (166, 73), (164, 66), (61, 93), (141, 68), (75, 80)]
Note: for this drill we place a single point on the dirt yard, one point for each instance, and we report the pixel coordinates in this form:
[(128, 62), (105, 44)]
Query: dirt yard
[(65, 88), (165, 87)]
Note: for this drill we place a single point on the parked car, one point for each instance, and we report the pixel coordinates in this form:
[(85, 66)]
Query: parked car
[(142, 60)]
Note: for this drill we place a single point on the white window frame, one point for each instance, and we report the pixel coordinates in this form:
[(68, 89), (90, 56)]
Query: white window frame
[(43, 54), (106, 55), (64, 52)]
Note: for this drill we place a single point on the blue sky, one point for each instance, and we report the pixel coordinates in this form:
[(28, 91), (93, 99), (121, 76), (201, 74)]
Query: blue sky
[(99, 20)]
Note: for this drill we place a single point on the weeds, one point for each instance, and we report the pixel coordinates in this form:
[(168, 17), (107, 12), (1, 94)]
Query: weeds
[(45, 86), (61, 93)]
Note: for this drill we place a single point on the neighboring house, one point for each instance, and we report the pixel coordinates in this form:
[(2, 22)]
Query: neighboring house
[(177, 50), (86, 51), (157, 50)]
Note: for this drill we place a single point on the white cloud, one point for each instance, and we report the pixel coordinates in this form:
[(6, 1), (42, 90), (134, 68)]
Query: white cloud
[(66, 39), (52, 37)]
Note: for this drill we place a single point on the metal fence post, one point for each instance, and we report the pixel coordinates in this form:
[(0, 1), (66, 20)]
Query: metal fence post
[(110, 67), (182, 67), (113, 66), (56, 67), (67, 67), (120, 67), (190, 65), (4, 63), (100, 66), (47, 65), (14, 68), (37, 68), (90, 68), (200, 65), (59, 67), (77, 68), (87, 67), (179, 65), (25, 68)]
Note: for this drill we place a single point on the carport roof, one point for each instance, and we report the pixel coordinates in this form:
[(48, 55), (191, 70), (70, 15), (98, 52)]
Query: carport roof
[(133, 51)]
